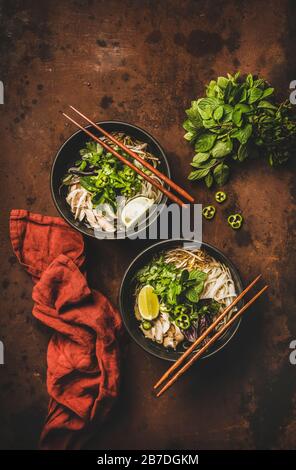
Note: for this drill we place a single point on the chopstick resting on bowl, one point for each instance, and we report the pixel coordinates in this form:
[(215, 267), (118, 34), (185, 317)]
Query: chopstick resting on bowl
[(205, 334), (143, 162), (211, 340), (161, 188)]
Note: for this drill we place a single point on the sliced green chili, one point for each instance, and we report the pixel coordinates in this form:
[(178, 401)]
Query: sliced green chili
[(220, 196), (183, 321), (146, 325), (208, 212), (235, 221)]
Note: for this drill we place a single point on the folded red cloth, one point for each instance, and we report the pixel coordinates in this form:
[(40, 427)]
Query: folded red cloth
[(83, 354)]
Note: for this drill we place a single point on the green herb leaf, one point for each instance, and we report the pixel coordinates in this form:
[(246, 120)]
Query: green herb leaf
[(198, 277), (209, 180), (243, 108), (227, 113), (206, 107), (184, 276), (193, 294), (222, 148), (243, 134), (249, 80), (222, 82), (189, 126), (267, 92), (267, 105), (205, 142), (254, 95), (193, 115), (218, 113), (221, 174), (237, 117), (208, 123), (201, 157), (242, 153), (198, 174), (208, 164), (190, 136)]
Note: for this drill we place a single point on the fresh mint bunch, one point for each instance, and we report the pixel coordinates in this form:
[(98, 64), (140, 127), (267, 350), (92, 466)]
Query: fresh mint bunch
[(237, 119)]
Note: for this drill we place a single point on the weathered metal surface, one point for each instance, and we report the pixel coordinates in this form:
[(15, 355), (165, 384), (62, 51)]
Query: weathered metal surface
[(143, 62)]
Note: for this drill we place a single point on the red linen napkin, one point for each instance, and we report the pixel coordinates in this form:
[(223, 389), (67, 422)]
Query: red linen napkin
[(83, 353)]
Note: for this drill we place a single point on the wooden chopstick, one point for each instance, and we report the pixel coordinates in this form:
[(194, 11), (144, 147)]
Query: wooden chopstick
[(143, 162), (205, 334), (211, 341), (161, 188)]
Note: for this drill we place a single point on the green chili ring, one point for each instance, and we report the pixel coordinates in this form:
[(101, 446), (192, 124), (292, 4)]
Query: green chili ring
[(235, 221), (146, 325), (208, 212), (220, 196), (183, 321)]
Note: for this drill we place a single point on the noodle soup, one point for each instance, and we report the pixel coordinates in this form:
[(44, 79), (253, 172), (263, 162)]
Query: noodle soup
[(103, 193), (179, 294)]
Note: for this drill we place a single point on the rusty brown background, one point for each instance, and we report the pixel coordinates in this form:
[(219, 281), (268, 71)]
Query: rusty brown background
[(143, 62)]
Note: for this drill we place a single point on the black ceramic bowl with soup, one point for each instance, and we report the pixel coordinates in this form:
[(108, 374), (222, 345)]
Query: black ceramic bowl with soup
[(69, 153), (127, 299)]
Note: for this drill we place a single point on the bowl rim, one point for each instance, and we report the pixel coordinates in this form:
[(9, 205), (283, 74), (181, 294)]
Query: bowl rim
[(145, 346), (162, 203)]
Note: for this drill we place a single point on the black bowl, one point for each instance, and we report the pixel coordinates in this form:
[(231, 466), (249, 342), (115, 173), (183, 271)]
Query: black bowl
[(126, 300), (69, 153)]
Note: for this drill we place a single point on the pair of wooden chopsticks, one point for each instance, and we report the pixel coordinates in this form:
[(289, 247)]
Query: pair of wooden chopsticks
[(132, 154), (178, 363)]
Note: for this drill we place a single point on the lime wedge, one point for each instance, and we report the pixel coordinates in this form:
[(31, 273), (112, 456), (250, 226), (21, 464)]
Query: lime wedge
[(148, 303), (134, 209)]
